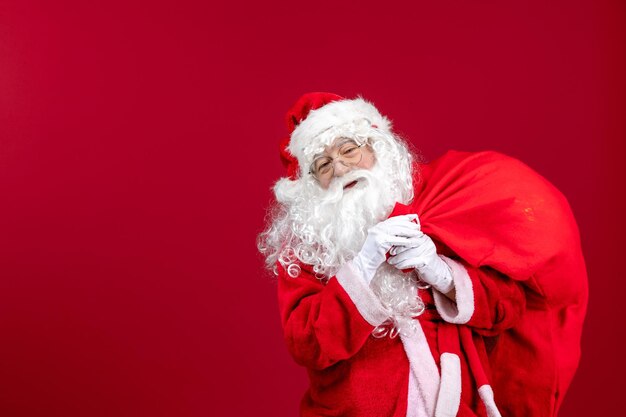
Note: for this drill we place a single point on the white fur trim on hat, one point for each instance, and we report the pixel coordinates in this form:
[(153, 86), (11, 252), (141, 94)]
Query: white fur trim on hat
[(349, 118)]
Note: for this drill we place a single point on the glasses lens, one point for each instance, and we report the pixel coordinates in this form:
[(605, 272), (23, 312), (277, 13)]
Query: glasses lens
[(322, 167), (349, 154)]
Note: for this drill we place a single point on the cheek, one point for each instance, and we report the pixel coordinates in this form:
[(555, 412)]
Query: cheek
[(368, 160)]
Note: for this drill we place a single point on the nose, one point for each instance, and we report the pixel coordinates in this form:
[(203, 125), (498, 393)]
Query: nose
[(340, 168)]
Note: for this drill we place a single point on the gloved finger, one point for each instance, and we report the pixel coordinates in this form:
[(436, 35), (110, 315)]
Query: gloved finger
[(414, 218), (406, 229), (404, 263), (398, 257), (411, 255), (406, 218), (396, 229), (397, 240), (409, 263), (398, 249), (395, 221), (421, 241), (393, 260)]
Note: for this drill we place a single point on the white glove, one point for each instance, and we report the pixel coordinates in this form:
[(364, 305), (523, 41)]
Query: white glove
[(423, 257), (395, 231)]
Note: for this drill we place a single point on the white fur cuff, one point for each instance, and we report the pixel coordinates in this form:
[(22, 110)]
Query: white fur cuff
[(461, 311), (362, 295)]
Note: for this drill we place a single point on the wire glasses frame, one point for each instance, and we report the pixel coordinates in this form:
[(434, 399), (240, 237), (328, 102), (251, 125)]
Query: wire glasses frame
[(349, 154)]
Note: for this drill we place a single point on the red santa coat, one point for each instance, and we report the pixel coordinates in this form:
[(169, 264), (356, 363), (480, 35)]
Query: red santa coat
[(521, 298)]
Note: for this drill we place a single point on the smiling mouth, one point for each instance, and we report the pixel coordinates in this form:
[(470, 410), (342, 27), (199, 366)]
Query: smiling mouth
[(350, 184)]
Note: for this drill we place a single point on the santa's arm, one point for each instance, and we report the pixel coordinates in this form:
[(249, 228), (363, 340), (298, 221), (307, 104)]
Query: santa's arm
[(324, 324), (484, 299)]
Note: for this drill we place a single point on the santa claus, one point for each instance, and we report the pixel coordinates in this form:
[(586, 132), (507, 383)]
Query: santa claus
[(408, 289)]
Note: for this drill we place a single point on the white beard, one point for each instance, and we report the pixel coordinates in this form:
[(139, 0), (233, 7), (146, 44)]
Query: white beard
[(327, 228), (332, 224)]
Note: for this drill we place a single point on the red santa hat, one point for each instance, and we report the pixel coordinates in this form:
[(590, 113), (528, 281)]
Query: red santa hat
[(315, 114)]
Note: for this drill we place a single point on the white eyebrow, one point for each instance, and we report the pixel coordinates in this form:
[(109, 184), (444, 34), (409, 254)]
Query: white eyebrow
[(338, 143)]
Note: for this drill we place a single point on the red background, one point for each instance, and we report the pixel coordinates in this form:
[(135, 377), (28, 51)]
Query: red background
[(138, 144)]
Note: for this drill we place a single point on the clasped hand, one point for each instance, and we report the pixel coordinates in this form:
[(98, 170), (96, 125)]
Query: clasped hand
[(409, 248), (395, 231)]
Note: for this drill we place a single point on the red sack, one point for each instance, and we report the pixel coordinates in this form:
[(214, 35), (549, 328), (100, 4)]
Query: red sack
[(493, 211)]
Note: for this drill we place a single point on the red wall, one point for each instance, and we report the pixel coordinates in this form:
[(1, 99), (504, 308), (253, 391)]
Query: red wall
[(138, 144)]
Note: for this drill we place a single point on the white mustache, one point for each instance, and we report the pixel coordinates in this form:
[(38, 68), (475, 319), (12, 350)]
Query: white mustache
[(335, 191)]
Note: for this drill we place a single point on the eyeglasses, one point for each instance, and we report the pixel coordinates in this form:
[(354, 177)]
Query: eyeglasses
[(349, 154)]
